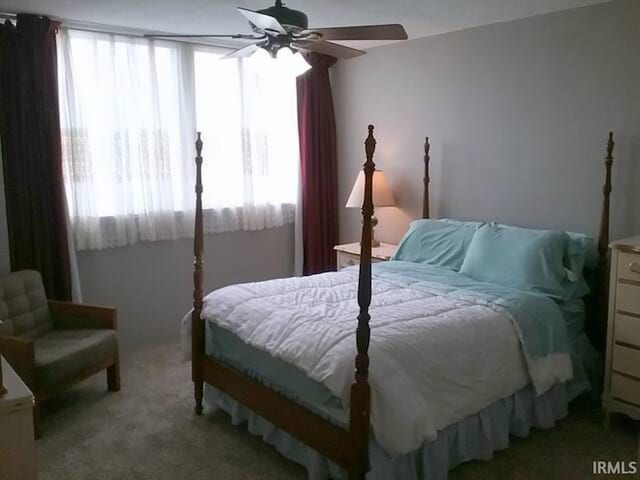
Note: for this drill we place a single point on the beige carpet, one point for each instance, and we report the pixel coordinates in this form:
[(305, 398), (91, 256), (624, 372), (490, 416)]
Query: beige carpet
[(148, 431)]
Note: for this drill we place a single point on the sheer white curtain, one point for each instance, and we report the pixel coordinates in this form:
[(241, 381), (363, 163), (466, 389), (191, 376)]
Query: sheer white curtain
[(130, 108), (247, 112)]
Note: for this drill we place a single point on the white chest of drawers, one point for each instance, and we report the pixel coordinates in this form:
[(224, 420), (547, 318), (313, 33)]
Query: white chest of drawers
[(18, 460), (622, 374)]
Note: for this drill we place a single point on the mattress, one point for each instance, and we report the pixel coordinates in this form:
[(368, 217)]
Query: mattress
[(280, 376), (294, 384), (482, 343)]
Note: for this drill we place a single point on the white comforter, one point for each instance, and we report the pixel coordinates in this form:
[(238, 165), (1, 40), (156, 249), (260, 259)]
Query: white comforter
[(435, 357)]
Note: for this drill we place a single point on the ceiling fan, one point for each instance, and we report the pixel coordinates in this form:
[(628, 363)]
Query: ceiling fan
[(278, 26)]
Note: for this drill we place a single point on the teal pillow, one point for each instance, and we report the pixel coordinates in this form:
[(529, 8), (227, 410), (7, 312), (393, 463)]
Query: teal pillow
[(528, 260), (441, 242)]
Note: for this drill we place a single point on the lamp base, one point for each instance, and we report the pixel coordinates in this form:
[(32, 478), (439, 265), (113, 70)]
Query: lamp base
[(374, 243)]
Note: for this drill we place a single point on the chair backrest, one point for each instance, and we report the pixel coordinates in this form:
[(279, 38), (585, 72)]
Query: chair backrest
[(24, 310)]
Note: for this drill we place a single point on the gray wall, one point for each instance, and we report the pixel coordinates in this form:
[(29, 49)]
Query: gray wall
[(518, 114), (152, 285)]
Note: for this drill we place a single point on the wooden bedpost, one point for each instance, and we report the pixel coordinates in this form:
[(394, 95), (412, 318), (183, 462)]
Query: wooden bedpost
[(197, 325), (603, 239), (360, 390), (602, 294), (426, 179)]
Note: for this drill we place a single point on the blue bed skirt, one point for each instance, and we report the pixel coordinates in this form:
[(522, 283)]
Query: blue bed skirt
[(475, 437)]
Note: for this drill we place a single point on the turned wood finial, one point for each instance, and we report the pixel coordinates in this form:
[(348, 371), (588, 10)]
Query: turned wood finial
[(198, 187), (426, 179), (199, 144), (610, 145), (370, 145)]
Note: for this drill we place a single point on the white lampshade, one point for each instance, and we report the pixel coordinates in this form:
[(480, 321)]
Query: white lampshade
[(382, 195)]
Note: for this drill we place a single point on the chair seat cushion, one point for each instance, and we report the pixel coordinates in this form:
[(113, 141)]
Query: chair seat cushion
[(63, 353)]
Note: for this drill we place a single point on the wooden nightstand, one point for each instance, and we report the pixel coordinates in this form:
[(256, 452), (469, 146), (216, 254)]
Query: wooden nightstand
[(349, 254), (622, 374)]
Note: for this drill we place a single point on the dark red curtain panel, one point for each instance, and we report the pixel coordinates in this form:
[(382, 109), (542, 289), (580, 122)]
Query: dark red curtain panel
[(319, 169), (31, 152)]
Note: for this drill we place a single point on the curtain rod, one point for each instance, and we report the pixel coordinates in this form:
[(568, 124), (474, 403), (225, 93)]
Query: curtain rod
[(128, 31)]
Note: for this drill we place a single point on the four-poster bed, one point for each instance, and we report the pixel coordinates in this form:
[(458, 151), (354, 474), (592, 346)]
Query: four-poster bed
[(347, 443)]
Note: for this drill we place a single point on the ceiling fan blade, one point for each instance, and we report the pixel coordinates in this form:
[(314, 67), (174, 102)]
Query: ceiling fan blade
[(242, 52), (236, 36), (328, 48), (363, 32), (263, 22)]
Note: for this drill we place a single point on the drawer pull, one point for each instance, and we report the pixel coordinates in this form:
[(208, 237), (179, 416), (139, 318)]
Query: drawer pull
[(634, 267)]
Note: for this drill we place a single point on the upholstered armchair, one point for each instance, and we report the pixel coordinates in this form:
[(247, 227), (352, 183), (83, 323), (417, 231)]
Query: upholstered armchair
[(51, 344)]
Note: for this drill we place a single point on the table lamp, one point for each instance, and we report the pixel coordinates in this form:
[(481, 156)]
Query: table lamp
[(382, 197)]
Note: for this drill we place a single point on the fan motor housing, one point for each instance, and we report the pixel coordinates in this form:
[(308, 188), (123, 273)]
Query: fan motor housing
[(291, 20)]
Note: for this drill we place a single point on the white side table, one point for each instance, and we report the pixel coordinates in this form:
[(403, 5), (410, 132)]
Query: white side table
[(18, 458), (349, 254)]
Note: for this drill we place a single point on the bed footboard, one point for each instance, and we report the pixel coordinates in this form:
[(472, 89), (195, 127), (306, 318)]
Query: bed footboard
[(320, 434)]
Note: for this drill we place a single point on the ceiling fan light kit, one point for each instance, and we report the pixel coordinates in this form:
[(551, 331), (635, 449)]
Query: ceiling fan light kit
[(294, 61), (282, 29), (286, 58)]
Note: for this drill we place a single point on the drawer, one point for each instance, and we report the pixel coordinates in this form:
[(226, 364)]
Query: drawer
[(629, 266), (347, 260), (625, 389), (626, 360), (628, 298), (627, 329)]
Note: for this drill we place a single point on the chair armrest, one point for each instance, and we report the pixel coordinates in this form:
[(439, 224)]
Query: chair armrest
[(20, 354), (68, 315)]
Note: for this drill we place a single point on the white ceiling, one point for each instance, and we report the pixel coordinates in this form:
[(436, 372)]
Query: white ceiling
[(420, 17)]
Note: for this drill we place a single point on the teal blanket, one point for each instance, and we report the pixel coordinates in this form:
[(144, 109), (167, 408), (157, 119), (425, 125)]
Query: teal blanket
[(537, 318)]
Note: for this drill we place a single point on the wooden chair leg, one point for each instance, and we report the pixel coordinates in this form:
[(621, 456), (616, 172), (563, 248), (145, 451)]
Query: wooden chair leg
[(36, 420), (113, 377)]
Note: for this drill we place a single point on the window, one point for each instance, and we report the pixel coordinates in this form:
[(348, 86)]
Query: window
[(130, 108)]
